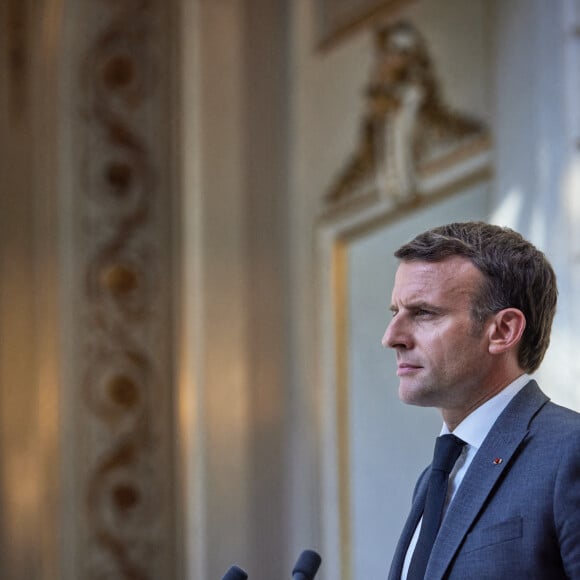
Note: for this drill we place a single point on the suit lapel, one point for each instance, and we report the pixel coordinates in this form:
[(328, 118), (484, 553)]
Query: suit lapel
[(502, 442)]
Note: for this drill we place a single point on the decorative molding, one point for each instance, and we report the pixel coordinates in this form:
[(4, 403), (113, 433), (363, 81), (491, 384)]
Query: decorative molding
[(123, 256), (407, 133)]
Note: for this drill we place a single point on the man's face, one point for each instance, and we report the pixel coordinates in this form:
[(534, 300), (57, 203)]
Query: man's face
[(441, 360)]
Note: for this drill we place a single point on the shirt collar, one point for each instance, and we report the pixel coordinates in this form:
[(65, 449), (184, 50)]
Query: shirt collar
[(475, 427)]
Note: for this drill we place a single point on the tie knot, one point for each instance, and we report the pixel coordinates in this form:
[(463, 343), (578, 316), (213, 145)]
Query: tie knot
[(447, 450)]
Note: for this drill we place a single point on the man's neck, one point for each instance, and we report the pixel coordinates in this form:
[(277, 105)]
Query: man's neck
[(454, 416)]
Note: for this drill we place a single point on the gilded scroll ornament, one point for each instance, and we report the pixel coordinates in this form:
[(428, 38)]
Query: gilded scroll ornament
[(122, 252), (406, 125)]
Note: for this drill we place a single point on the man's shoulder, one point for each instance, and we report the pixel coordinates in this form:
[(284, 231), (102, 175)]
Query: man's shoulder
[(562, 419), (532, 409)]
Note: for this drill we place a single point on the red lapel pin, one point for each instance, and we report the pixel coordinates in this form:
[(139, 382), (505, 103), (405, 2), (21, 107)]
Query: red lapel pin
[(497, 460)]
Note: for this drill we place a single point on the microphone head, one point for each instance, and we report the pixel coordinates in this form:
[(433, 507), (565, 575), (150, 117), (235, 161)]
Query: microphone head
[(235, 573), (307, 564)]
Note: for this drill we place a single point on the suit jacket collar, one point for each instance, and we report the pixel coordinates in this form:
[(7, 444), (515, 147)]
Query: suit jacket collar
[(502, 442)]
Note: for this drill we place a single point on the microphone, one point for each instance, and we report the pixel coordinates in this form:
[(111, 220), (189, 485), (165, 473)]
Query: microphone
[(306, 566), (235, 573)]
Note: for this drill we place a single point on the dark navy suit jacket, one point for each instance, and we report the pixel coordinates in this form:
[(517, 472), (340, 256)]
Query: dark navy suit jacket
[(514, 519)]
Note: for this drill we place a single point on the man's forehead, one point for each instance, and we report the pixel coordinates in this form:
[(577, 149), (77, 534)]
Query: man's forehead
[(454, 274)]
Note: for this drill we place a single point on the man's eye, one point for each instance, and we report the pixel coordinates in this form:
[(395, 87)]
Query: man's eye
[(423, 312)]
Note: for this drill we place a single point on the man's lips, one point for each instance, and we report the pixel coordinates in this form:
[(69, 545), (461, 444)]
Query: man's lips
[(407, 369)]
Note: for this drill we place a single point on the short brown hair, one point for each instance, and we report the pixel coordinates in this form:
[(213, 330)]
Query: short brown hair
[(516, 273)]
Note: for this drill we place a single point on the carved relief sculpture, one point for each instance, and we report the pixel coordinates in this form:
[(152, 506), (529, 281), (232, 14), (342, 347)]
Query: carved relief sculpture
[(406, 125)]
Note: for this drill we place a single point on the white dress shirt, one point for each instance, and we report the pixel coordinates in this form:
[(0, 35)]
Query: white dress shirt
[(473, 430)]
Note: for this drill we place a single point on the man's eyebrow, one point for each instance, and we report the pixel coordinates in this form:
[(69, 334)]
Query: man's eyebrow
[(421, 305)]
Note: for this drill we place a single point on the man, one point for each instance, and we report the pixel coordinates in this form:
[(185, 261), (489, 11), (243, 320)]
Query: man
[(472, 309)]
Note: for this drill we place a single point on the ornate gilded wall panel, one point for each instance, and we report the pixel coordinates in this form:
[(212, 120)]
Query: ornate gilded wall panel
[(408, 134), (123, 273)]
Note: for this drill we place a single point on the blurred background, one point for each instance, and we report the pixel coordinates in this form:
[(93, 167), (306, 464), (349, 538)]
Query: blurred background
[(199, 202)]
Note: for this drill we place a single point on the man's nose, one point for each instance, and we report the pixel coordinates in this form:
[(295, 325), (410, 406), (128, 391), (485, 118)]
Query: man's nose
[(387, 336), (396, 335)]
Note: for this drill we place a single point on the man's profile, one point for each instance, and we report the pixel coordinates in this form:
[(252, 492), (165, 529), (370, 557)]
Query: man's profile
[(472, 308)]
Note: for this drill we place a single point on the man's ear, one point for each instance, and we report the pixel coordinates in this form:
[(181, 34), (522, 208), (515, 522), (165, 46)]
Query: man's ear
[(506, 330)]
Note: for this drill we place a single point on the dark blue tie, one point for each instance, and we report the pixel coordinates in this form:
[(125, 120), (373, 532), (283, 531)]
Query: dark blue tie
[(447, 450)]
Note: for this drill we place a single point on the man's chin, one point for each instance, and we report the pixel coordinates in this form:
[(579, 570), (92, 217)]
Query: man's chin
[(414, 395)]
